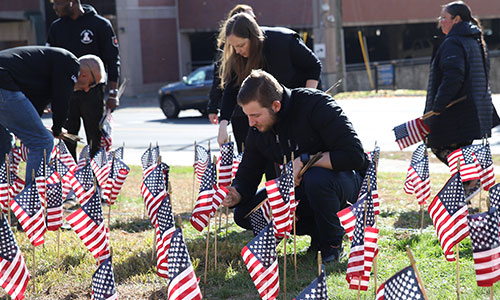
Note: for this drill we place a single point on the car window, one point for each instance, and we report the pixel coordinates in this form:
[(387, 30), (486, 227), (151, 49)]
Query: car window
[(196, 77)]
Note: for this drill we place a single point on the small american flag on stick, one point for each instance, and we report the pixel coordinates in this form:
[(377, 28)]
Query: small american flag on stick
[(410, 133), (103, 282), (154, 190), (401, 286), (417, 178), (226, 164), (164, 233)]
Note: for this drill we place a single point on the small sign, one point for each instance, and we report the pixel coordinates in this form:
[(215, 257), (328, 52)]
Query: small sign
[(320, 50), (385, 75)]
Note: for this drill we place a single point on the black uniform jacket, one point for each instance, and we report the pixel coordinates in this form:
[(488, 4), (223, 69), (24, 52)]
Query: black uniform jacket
[(44, 74), (309, 121)]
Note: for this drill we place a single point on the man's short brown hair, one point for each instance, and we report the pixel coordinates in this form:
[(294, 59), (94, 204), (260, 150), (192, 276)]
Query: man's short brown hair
[(262, 87)]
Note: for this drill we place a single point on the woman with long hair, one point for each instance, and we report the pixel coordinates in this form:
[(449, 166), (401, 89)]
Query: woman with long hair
[(459, 70), (277, 50)]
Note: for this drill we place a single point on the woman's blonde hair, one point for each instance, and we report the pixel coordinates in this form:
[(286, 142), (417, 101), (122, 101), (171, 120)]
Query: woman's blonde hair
[(232, 65)]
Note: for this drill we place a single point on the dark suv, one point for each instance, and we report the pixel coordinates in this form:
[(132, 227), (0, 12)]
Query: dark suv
[(190, 93)]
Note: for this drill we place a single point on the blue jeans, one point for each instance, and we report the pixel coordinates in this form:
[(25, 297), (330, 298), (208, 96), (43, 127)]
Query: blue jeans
[(20, 117)]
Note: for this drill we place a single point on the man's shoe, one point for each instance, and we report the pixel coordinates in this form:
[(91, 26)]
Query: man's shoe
[(333, 253), (314, 247)]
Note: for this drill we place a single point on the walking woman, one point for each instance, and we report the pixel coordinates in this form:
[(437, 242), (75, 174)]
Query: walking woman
[(459, 68), (277, 50)]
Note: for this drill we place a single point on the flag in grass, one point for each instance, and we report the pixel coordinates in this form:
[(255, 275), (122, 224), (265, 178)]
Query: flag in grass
[(29, 212), (226, 164), (261, 260), (117, 175), (469, 165), (164, 233), (88, 223), (100, 166), (201, 161), (150, 158), (484, 235), (182, 283), (401, 286), (14, 275), (54, 206), (281, 194), (449, 212), (82, 183), (317, 289), (103, 282), (417, 178), (154, 190)]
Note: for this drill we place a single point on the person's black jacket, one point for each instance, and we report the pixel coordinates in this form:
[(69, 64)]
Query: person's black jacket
[(287, 58), (88, 34), (44, 75), (458, 69), (309, 121)]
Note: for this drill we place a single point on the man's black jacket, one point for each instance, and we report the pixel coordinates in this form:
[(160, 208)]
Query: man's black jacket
[(88, 34), (44, 75), (309, 121)]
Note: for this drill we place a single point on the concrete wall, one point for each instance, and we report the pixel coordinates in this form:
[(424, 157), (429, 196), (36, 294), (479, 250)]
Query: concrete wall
[(413, 76)]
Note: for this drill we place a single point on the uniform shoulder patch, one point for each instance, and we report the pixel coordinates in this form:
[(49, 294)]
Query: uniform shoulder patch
[(114, 39)]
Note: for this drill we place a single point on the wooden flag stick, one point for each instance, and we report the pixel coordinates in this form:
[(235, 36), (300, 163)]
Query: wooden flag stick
[(215, 239), (319, 263), (491, 292), (7, 168), (34, 270), (364, 226), (194, 177), (284, 266), (227, 221), (432, 113), (295, 247), (458, 272), (417, 274), (206, 258), (421, 217), (153, 252)]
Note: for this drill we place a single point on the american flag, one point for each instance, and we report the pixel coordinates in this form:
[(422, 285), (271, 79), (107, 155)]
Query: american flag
[(106, 125), (118, 153), (281, 194), (260, 218), (154, 190), (317, 289), (484, 235), (29, 212), (88, 223), (164, 232), (66, 176), (261, 260), (201, 161), (469, 165), (236, 163), (448, 212), (14, 159), (209, 199), (100, 166), (83, 184), (487, 172), (363, 242), (418, 180), (182, 284), (410, 133), (84, 157), (41, 181), (4, 188), (14, 275), (103, 282), (401, 286), (117, 175), (54, 206), (371, 174), (66, 157), (226, 164), (149, 158), (494, 196)]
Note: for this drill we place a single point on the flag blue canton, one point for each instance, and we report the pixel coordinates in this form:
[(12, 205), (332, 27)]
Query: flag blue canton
[(29, 200), (263, 246), (401, 131), (93, 208), (403, 286), (8, 246), (227, 153), (178, 256), (452, 195), (165, 216), (258, 221), (316, 290), (484, 231), (54, 195), (359, 212), (103, 281), (85, 177), (155, 181)]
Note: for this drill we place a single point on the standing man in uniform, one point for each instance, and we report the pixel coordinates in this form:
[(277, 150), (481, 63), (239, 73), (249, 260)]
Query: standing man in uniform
[(82, 31), (30, 78)]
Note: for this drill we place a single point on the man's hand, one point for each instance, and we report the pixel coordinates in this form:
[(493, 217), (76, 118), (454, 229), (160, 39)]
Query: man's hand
[(112, 103), (213, 119), (297, 166), (223, 136), (233, 197)]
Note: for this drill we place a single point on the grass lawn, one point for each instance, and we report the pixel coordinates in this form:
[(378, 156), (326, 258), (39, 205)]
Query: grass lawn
[(68, 275)]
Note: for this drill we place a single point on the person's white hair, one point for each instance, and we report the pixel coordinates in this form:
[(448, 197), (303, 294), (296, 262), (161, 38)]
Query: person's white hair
[(94, 62)]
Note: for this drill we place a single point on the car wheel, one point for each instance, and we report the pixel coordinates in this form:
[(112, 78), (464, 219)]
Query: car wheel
[(170, 107)]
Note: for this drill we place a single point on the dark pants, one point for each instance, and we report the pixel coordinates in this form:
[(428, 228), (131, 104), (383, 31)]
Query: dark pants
[(443, 152), (240, 130), (322, 194), (90, 107)]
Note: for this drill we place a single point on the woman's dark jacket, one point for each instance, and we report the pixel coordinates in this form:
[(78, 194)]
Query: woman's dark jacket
[(458, 69), (287, 58)]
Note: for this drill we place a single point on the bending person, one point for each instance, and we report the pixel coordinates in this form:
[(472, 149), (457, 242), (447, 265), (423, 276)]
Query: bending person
[(30, 79), (277, 50), (303, 122)]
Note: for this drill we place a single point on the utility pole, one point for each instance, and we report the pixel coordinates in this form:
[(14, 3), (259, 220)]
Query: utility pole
[(328, 41)]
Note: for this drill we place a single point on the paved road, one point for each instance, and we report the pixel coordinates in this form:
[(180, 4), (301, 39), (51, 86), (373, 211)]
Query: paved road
[(139, 125)]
